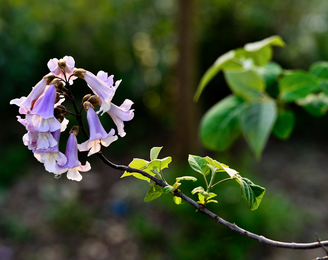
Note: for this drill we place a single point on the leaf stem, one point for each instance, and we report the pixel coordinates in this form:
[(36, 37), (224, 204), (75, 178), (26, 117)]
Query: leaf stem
[(221, 181), (213, 173)]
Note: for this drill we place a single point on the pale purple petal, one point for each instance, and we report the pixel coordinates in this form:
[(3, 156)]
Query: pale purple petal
[(25, 103), (121, 114)]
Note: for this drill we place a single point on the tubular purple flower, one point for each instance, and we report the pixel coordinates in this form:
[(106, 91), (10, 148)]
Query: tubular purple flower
[(73, 165), (41, 117), (35, 140), (53, 65), (98, 134), (51, 157), (102, 86), (26, 103), (121, 114)]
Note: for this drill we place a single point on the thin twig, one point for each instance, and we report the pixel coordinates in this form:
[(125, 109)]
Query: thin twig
[(219, 220)]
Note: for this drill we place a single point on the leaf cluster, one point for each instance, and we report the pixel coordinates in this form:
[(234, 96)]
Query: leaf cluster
[(262, 94), (206, 166)]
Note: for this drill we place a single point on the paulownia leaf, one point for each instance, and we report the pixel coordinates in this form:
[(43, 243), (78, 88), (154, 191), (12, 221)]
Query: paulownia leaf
[(198, 164), (315, 104), (219, 127), (257, 120), (284, 124), (319, 69), (153, 193), (250, 192), (212, 71), (186, 178), (262, 50), (141, 165), (246, 83), (154, 152), (297, 86)]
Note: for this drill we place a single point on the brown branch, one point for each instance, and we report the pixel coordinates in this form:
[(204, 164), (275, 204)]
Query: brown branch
[(219, 220)]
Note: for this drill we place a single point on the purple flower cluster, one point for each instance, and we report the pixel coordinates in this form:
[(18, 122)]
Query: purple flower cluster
[(45, 116)]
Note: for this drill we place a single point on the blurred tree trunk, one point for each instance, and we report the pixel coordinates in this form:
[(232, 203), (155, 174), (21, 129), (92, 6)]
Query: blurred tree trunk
[(185, 138)]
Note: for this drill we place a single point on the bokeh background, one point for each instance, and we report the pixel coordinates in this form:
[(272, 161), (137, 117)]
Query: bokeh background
[(160, 49)]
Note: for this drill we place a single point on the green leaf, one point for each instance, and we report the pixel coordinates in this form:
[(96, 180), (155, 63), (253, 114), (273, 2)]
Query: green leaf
[(153, 193), (251, 192), (186, 178), (154, 152), (177, 200), (262, 51), (198, 164), (197, 189), (257, 120), (159, 164), (271, 41), (297, 86), (141, 165), (270, 72), (246, 84), (219, 127), (212, 71), (168, 189), (284, 124), (315, 104), (319, 69)]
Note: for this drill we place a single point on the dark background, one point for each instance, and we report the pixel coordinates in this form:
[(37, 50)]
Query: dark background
[(160, 49)]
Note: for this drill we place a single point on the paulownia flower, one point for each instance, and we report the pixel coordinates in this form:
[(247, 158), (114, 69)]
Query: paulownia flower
[(41, 117), (26, 103), (51, 157), (73, 165), (68, 63), (102, 86), (98, 134), (121, 114)]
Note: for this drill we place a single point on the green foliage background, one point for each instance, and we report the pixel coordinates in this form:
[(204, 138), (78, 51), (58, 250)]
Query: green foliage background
[(137, 42)]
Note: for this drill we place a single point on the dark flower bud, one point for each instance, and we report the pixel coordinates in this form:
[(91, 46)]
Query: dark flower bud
[(79, 73), (86, 98), (75, 130)]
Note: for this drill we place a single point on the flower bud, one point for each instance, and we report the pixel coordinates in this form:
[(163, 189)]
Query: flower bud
[(75, 130), (79, 73), (95, 100), (86, 105), (86, 98), (49, 78), (62, 63)]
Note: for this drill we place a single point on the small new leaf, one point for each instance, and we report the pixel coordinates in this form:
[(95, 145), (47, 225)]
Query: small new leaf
[(153, 193), (168, 189), (198, 164), (177, 200), (186, 178), (154, 152)]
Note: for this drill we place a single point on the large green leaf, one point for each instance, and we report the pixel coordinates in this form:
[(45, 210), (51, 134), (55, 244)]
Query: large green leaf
[(284, 124), (250, 192), (271, 41), (270, 72), (315, 104), (319, 69), (297, 86), (257, 120), (198, 164), (261, 51), (246, 83), (219, 127), (212, 71)]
